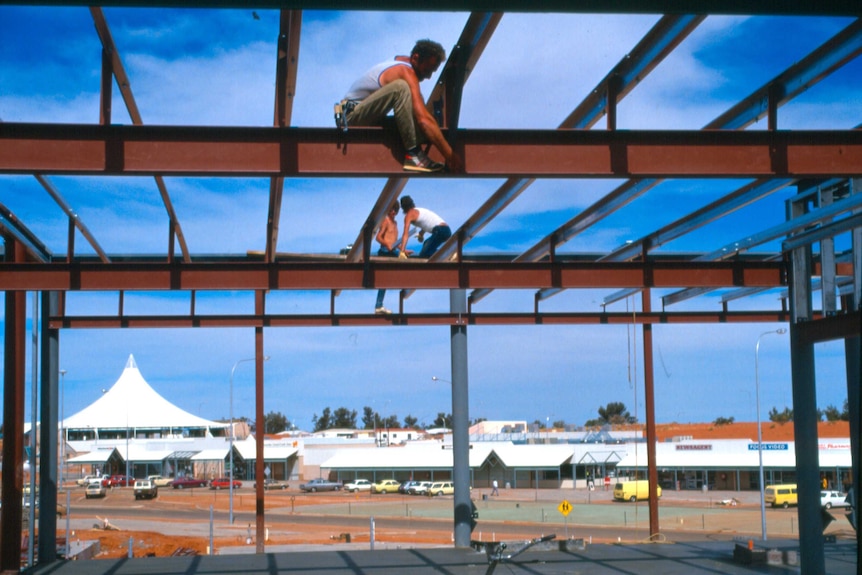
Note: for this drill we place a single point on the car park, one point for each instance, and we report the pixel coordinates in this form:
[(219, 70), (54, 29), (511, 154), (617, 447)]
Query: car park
[(419, 488), (385, 486), (94, 489), (187, 482), (830, 499), (270, 484), (145, 489), (159, 480), (320, 484), (357, 485), (225, 483), (441, 488)]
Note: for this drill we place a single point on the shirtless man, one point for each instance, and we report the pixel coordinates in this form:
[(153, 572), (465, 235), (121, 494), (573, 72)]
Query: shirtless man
[(393, 85), (428, 223), (387, 237)]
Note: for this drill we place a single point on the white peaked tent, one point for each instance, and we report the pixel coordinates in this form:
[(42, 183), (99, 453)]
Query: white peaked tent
[(132, 403)]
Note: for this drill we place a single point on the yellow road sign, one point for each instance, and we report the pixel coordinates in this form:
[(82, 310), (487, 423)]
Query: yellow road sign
[(565, 507)]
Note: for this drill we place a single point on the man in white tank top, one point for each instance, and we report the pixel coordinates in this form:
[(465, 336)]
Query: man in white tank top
[(394, 86), (428, 223)]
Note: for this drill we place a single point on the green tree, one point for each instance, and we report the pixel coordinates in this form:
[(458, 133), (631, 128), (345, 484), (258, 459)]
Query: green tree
[(275, 422), (369, 418), (410, 421), (614, 413), (344, 418), (781, 416), (559, 424), (723, 421), (442, 420), (324, 421)]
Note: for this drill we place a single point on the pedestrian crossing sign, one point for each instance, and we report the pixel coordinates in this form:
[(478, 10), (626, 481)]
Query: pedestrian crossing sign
[(565, 507)]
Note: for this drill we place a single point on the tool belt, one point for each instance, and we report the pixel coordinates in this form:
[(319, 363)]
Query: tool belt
[(342, 109)]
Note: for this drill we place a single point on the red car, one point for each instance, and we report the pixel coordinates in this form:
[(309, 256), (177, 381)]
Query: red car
[(118, 481), (183, 482), (224, 483)]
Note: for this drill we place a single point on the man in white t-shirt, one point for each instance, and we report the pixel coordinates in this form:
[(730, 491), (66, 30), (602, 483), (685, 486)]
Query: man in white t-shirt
[(393, 86), (428, 223)]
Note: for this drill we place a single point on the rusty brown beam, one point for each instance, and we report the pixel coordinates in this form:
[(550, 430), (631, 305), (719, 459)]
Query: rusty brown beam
[(408, 319), (311, 152), (159, 276)]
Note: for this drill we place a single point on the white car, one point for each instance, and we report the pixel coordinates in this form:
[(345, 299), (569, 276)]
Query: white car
[(358, 485), (95, 489), (420, 488), (830, 499)]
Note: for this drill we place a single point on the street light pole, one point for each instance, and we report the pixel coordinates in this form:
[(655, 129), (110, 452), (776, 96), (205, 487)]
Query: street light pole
[(760, 431), (232, 437), (62, 417)]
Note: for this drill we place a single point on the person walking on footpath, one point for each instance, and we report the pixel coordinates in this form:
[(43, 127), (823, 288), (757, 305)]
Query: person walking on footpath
[(495, 488), (393, 86), (428, 223), (387, 237)]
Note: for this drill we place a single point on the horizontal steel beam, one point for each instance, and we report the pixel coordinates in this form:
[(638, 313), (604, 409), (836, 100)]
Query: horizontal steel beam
[(731, 7), (372, 320), (318, 152), (160, 276)]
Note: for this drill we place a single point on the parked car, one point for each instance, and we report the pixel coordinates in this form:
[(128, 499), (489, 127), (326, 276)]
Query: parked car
[(357, 485), (186, 482), (224, 483), (159, 481), (634, 490), (406, 485), (440, 488), (830, 499), (274, 484), (119, 481), (385, 486), (145, 489), (85, 481), (419, 488), (320, 484), (94, 489), (783, 495)]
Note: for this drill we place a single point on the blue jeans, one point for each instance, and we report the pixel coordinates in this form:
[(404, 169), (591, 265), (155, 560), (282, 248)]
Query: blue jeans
[(387, 254), (438, 235)]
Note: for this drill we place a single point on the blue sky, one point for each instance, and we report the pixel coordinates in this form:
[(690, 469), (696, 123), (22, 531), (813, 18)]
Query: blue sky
[(202, 67)]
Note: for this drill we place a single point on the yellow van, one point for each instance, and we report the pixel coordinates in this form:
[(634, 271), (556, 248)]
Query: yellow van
[(634, 490), (783, 495)]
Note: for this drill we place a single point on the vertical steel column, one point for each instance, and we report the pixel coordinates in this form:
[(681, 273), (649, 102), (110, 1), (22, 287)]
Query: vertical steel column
[(260, 526), (460, 422), (805, 417), (49, 483), (12, 485), (852, 353), (649, 406)]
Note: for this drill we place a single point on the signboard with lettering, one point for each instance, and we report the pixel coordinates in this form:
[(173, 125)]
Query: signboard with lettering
[(769, 447)]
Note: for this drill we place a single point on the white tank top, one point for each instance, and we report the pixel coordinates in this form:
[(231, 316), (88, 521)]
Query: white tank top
[(427, 220), (369, 82)]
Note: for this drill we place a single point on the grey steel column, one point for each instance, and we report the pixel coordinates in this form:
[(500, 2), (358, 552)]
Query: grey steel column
[(852, 352), (805, 417), (49, 408), (460, 422)]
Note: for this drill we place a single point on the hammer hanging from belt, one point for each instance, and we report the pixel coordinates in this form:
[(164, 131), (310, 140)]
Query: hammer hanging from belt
[(342, 109)]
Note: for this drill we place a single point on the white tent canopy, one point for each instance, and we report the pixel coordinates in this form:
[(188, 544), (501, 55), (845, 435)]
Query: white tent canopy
[(132, 403)]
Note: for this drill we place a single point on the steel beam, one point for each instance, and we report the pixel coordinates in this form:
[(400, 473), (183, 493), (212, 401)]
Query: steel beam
[(419, 319), (318, 152), (396, 274), (728, 7)]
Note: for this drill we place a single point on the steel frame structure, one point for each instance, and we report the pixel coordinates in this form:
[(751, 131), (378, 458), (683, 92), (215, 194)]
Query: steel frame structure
[(808, 159)]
